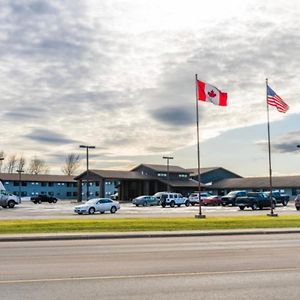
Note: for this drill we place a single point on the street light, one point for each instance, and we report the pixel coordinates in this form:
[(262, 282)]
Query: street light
[(87, 167), (20, 172), (168, 172)]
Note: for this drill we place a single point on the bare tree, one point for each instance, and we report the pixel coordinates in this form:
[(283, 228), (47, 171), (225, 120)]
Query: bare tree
[(37, 166), (11, 163), (21, 163), (72, 163), (1, 161)]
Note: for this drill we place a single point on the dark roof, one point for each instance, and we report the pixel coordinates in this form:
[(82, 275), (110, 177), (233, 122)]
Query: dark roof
[(194, 171), (36, 177), (258, 182), (182, 183), (113, 174), (163, 168)]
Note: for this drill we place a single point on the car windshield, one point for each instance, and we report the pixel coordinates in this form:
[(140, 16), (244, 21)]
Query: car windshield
[(231, 194), (92, 201), (140, 197)]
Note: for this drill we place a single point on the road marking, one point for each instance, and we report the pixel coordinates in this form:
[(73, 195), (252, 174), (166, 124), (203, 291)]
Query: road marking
[(140, 276)]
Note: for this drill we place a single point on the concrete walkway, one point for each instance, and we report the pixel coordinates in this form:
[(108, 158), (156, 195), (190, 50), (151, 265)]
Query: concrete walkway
[(144, 234)]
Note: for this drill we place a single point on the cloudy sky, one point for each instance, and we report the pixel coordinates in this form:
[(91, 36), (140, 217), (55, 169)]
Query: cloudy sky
[(120, 75)]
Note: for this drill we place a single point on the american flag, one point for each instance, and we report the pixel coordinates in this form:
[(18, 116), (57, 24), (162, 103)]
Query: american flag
[(274, 100)]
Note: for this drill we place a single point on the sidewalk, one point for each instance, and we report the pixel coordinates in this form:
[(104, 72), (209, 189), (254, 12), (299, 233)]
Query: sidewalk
[(144, 234)]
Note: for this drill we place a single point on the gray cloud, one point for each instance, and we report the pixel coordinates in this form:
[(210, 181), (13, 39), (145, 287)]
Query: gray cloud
[(284, 144), (48, 137), (176, 116)]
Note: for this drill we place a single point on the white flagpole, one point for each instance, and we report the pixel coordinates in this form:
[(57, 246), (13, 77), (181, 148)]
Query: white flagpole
[(200, 215), (269, 148)]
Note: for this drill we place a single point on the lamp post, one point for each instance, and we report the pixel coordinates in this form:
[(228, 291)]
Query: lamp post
[(20, 172), (87, 167), (168, 171)]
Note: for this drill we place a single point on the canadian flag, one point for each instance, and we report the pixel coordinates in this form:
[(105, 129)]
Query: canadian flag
[(210, 93)]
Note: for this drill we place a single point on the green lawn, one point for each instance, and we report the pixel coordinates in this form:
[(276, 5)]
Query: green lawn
[(146, 224)]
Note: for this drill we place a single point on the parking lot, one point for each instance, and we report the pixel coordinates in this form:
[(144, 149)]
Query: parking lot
[(65, 209)]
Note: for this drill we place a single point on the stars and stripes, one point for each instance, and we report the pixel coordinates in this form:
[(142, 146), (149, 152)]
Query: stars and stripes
[(274, 100)]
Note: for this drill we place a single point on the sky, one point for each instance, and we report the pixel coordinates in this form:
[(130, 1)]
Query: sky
[(120, 75)]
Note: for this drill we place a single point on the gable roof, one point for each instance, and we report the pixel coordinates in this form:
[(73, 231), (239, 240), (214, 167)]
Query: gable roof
[(258, 182), (163, 168), (113, 174), (194, 171)]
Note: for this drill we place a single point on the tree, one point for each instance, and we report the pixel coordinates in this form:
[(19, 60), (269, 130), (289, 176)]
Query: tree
[(21, 163), (11, 163), (37, 166), (1, 161), (72, 163)]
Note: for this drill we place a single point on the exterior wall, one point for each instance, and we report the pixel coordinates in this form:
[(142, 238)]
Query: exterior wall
[(110, 188), (62, 190), (163, 175)]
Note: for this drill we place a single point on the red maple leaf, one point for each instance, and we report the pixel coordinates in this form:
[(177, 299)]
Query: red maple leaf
[(212, 94)]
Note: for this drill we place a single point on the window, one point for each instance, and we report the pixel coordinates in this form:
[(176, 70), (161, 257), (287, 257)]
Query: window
[(50, 184), (161, 174), (43, 183), (69, 194), (183, 175)]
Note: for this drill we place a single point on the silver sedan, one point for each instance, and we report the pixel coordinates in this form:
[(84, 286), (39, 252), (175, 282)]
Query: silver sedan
[(98, 204)]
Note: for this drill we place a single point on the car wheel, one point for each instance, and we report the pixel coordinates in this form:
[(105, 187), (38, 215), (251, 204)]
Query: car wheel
[(145, 203), (102, 212), (163, 205), (137, 205), (254, 206), (187, 203), (178, 205), (192, 203), (54, 201), (50, 201), (261, 207), (242, 207), (91, 210), (172, 203), (273, 205), (223, 204), (11, 204), (284, 203), (4, 206), (39, 201), (80, 213), (113, 209), (298, 208)]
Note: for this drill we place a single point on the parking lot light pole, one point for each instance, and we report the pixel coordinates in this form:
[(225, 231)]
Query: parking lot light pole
[(87, 167), (168, 170), (20, 172)]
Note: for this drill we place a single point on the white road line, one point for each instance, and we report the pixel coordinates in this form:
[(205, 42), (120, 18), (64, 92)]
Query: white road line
[(137, 276)]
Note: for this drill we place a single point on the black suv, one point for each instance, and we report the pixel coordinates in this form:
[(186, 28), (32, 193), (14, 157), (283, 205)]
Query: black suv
[(43, 198), (231, 197)]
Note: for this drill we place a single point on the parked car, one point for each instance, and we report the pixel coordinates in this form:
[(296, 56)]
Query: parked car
[(8, 200), (145, 201), (194, 197), (115, 196), (230, 198), (97, 204), (211, 200), (297, 202), (279, 197), (43, 198), (171, 199), (255, 200)]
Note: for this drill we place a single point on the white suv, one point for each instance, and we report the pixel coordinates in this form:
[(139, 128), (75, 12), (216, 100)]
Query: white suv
[(8, 200), (171, 199)]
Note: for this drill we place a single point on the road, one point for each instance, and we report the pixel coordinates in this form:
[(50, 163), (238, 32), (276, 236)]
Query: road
[(228, 267), (65, 209)]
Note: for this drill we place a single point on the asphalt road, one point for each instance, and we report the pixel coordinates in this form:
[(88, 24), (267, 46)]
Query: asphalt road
[(65, 209), (228, 267)]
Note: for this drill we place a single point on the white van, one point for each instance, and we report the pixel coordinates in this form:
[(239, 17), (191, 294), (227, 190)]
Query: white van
[(171, 199)]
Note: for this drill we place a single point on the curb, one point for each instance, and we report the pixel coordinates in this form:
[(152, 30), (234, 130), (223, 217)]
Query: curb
[(159, 234)]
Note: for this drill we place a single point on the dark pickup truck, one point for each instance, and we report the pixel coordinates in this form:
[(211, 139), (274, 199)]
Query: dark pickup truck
[(280, 198), (255, 200), (43, 198)]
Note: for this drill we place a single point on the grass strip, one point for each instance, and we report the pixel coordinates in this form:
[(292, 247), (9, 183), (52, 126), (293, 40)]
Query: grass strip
[(145, 224)]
